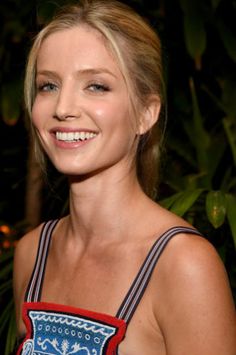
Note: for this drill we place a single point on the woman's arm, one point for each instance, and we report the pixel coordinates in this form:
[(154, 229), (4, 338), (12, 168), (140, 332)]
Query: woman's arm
[(198, 313), (24, 259)]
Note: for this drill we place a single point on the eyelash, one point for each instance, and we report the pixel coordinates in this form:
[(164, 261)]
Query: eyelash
[(94, 87), (47, 86), (98, 87)]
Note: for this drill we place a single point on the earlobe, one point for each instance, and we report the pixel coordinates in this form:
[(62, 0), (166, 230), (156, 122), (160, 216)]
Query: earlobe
[(150, 115)]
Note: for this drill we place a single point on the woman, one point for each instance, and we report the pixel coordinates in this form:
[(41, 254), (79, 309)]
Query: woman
[(93, 90)]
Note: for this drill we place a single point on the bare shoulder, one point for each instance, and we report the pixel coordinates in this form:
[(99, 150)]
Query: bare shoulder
[(192, 254), (26, 248), (192, 283), (24, 259)]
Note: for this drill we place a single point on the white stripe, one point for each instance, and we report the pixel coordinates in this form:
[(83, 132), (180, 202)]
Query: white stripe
[(37, 266), (43, 261), (42, 251)]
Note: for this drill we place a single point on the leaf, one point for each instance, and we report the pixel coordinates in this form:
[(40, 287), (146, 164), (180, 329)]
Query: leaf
[(215, 152), (201, 138), (216, 208), (228, 181), (11, 333), (10, 102), (228, 39), (195, 36), (230, 129), (229, 96), (232, 184), (194, 29), (231, 214), (168, 202), (185, 201), (5, 315)]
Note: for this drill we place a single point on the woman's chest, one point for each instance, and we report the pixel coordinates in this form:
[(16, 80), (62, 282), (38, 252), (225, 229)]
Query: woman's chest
[(100, 284), (57, 329), (143, 334)]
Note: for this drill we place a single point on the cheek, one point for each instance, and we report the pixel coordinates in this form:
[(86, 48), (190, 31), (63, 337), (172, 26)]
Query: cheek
[(41, 110), (114, 113), (35, 115), (100, 111)]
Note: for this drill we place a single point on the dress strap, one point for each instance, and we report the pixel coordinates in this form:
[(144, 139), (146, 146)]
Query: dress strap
[(138, 287), (34, 289)]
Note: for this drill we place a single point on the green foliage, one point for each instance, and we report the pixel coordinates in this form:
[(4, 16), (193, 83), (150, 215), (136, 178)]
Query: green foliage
[(216, 207), (10, 102), (201, 166), (208, 156), (228, 39), (181, 202), (231, 213), (194, 27), (230, 130)]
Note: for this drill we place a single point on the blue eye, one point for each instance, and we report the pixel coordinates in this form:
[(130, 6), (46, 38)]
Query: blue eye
[(98, 87), (47, 87)]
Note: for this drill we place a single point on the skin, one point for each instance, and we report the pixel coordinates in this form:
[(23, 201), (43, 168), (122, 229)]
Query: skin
[(187, 307)]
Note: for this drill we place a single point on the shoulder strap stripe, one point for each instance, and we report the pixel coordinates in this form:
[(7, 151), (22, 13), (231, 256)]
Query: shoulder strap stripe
[(33, 292), (38, 286), (29, 292), (140, 283)]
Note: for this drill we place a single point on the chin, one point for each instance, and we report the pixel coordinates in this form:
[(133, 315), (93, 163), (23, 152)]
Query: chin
[(73, 172)]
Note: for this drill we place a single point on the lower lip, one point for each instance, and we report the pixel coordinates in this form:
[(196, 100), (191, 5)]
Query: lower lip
[(70, 145)]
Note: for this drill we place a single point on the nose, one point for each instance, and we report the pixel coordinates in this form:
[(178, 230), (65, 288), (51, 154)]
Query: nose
[(66, 107)]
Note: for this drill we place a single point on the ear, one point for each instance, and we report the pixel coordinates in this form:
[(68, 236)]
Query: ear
[(150, 114)]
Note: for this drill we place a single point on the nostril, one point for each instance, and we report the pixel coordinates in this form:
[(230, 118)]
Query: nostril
[(64, 117)]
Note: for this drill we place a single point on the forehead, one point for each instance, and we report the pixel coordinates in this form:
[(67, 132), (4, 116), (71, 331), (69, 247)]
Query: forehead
[(77, 46)]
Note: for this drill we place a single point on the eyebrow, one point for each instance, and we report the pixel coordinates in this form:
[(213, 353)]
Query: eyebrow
[(81, 72)]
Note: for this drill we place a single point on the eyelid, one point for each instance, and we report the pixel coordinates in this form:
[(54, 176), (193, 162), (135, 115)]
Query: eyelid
[(99, 85), (41, 85)]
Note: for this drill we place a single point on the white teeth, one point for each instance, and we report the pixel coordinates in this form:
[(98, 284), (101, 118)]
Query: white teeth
[(63, 136), (74, 136)]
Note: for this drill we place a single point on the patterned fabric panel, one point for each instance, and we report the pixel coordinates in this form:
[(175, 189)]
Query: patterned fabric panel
[(52, 331)]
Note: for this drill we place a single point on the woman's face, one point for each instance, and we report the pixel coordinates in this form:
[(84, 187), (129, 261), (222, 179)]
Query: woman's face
[(82, 111)]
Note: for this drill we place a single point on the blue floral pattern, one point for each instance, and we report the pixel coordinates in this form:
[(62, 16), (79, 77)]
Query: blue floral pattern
[(55, 333)]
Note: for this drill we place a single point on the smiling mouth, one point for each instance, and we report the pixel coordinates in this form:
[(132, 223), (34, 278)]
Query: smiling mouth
[(74, 136)]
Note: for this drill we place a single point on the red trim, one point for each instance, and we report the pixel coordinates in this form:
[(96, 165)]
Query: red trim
[(28, 325), (100, 317)]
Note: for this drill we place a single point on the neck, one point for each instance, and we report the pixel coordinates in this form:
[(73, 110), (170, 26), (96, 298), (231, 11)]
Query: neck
[(103, 207)]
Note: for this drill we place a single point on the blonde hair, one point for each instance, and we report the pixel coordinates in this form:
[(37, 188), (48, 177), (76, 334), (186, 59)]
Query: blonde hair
[(137, 49)]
